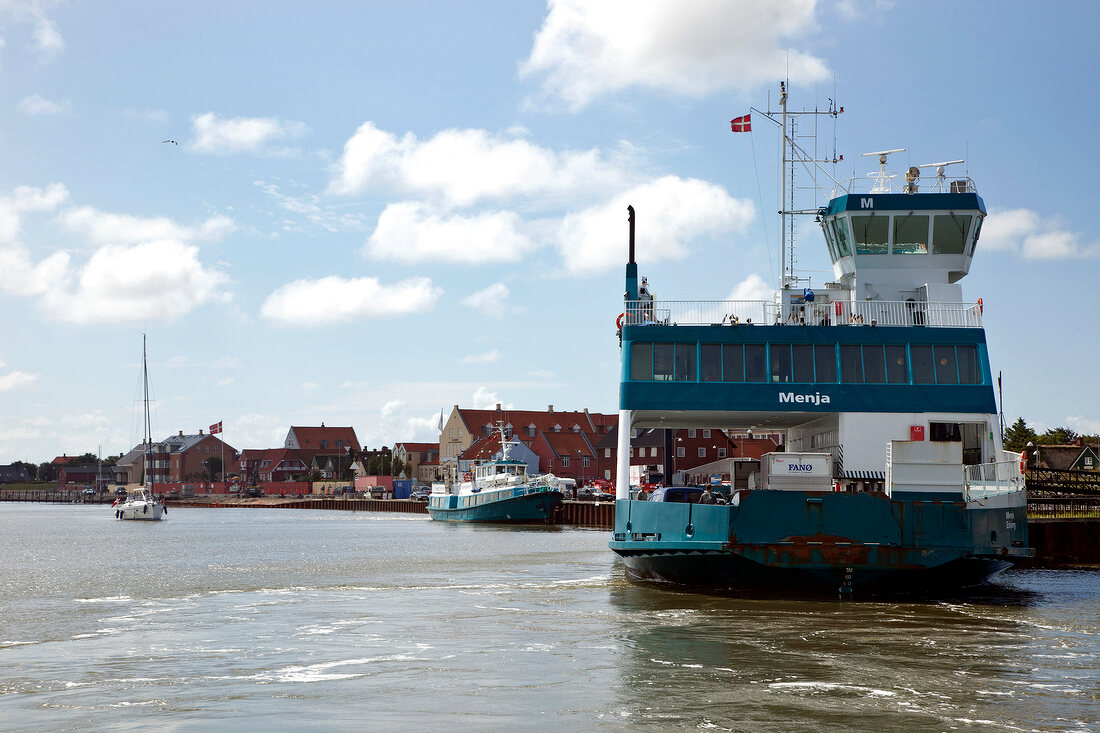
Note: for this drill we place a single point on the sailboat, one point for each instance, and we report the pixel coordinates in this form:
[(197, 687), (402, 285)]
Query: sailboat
[(143, 503)]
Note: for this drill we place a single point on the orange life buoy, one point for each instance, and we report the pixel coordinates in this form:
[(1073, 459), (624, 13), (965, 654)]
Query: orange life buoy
[(619, 321), (981, 310), (467, 476), (1023, 461)]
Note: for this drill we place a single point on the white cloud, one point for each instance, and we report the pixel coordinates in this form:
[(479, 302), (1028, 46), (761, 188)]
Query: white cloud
[(129, 280), (100, 227), (310, 207), (692, 47), (338, 300), (483, 399), (462, 167), (147, 115), (160, 280), (670, 211), (489, 301), (37, 106), (222, 136), (487, 357), (391, 407), (1024, 232), (541, 374), (752, 287), (16, 380), (47, 39), (1083, 425), (409, 232)]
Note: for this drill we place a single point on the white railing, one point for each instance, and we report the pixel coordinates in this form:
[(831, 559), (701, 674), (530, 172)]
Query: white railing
[(983, 480), (836, 313), (895, 183)]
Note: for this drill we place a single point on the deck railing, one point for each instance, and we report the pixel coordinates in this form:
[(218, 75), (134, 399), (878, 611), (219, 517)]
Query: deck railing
[(836, 313), (991, 479)]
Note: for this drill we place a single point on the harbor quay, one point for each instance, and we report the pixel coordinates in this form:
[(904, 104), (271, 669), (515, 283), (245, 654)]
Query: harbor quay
[(1058, 541)]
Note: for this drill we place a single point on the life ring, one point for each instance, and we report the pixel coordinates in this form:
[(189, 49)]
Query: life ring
[(981, 310), (1023, 461), (467, 476), (619, 321)]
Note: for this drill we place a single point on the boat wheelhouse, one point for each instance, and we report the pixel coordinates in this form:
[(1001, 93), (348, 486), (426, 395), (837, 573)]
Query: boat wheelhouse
[(892, 474)]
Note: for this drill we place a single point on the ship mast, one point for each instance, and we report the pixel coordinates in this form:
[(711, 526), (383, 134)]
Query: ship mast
[(793, 154)]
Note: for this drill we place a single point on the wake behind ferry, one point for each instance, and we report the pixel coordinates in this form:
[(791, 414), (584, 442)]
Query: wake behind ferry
[(892, 476)]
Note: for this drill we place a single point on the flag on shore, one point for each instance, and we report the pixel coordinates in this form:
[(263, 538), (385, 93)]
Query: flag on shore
[(742, 124), (216, 428), (441, 420)]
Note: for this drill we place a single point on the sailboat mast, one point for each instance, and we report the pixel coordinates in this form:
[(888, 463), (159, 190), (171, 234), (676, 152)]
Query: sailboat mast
[(783, 192), (148, 424)]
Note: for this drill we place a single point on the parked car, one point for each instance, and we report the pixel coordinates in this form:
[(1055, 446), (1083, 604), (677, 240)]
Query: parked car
[(344, 491), (121, 491), (681, 494), (255, 491), (420, 494), (89, 491), (377, 492), (593, 493), (602, 483)]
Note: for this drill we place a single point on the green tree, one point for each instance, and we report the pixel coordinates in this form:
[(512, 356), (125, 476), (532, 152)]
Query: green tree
[(398, 467), (47, 472), (1017, 435), (1057, 436)]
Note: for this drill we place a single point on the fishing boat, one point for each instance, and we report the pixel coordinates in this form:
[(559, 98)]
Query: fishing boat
[(498, 491), (143, 503), (891, 476)]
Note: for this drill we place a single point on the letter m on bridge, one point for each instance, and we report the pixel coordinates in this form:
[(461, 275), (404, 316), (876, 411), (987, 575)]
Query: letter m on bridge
[(868, 203)]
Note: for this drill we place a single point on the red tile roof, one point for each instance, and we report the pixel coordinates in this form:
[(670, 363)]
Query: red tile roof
[(309, 438)]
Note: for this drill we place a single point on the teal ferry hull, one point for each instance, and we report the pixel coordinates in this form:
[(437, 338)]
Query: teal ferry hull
[(535, 507), (819, 543)]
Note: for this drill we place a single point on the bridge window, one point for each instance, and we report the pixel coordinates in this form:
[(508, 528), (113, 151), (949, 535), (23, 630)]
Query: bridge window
[(840, 228), (910, 235), (851, 365), (969, 373), (733, 363), (685, 363), (825, 362), (946, 371), (662, 362), (710, 362), (781, 363), (977, 233), (897, 372), (949, 233), (874, 368), (641, 362), (754, 363), (802, 356), (870, 233), (921, 359)]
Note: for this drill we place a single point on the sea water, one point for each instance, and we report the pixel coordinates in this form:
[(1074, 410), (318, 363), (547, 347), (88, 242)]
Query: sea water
[(262, 619)]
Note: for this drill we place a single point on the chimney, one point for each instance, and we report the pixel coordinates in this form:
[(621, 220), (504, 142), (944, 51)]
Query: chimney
[(181, 433), (200, 431), (498, 407), (550, 409)]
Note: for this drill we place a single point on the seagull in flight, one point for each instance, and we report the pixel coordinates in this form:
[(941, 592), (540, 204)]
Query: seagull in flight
[(170, 141)]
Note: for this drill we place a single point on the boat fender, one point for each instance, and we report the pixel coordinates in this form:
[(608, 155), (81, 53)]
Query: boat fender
[(145, 509), (1023, 461), (619, 321), (118, 514), (166, 510)]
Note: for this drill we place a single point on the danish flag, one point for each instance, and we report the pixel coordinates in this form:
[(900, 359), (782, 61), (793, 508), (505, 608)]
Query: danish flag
[(216, 428), (742, 124)]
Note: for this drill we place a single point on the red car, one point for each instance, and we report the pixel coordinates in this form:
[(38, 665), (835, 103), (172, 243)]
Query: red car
[(602, 483)]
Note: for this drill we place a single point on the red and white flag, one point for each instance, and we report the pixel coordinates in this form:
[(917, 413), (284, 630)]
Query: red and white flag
[(741, 124), (216, 428)]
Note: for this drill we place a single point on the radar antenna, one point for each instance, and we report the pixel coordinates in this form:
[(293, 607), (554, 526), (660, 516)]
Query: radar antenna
[(882, 176), (940, 175)]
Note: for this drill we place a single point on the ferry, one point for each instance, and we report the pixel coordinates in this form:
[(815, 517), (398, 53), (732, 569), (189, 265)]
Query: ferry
[(497, 491), (891, 476)]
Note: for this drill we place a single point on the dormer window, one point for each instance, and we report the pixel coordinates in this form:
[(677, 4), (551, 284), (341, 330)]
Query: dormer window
[(557, 428), (531, 430), (576, 428)]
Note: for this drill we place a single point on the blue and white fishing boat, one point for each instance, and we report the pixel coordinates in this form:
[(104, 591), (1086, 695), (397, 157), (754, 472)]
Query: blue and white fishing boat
[(892, 475), (497, 491)]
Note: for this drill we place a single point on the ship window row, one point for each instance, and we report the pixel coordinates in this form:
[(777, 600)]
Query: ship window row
[(901, 233), (806, 363)]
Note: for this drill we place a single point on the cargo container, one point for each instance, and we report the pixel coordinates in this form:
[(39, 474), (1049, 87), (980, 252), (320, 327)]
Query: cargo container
[(796, 471), (402, 488)]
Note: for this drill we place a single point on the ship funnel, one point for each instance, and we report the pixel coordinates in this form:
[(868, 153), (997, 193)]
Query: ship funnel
[(630, 218)]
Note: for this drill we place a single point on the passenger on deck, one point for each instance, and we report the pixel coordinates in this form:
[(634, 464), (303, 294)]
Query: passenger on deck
[(707, 497)]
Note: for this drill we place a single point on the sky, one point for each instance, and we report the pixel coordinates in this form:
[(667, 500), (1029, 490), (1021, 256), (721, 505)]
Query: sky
[(369, 212)]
